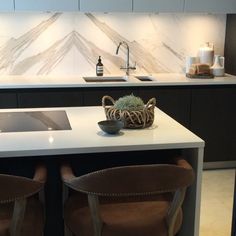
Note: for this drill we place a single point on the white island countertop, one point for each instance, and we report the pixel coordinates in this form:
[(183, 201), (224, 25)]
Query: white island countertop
[(160, 79), (86, 136)]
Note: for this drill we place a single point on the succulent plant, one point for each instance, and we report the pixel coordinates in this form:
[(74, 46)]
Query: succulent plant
[(130, 103)]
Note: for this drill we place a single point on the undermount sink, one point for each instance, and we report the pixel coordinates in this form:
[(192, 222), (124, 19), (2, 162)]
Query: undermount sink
[(105, 79), (144, 78)]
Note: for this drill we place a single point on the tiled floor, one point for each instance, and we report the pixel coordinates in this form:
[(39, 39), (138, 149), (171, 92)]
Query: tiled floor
[(217, 202)]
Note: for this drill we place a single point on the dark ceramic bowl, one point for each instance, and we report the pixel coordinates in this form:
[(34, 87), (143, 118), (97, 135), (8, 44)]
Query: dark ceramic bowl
[(111, 126)]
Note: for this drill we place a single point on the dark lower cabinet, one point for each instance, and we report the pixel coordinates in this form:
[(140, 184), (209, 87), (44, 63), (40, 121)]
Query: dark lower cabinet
[(50, 98), (175, 101), (8, 99), (213, 117), (208, 111), (231, 124), (93, 96)]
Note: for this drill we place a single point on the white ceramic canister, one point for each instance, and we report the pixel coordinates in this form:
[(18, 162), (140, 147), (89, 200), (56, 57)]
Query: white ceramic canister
[(218, 68), (206, 53), (189, 61)]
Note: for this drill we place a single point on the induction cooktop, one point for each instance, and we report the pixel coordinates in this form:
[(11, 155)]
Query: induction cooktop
[(34, 121)]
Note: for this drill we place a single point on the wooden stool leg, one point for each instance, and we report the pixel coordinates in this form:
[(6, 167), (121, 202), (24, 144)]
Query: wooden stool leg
[(67, 232)]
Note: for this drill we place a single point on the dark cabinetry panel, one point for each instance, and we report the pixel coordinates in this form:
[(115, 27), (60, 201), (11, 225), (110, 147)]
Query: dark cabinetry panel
[(8, 100), (213, 118), (93, 96), (175, 102), (230, 121), (208, 111), (50, 98), (230, 46)]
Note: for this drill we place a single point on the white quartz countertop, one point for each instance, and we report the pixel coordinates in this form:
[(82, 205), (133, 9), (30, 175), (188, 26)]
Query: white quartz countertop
[(161, 79), (86, 136)]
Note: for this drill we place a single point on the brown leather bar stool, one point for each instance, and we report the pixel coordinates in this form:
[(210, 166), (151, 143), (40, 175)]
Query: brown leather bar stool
[(21, 204), (126, 201)]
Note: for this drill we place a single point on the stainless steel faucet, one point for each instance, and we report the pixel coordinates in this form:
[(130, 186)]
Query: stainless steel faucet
[(127, 67)]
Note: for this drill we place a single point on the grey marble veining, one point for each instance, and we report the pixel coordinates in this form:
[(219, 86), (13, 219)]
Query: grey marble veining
[(70, 43), (138, 53), (15, 47), (52, 56)]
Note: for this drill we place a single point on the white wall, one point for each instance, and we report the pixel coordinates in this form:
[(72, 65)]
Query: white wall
[(70, 43)]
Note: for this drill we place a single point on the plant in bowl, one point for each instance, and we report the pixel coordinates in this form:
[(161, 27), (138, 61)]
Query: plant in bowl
[(131, 110), (130, 103)]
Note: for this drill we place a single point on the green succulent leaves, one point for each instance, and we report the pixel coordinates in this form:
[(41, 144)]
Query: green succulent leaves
[(130, 103)]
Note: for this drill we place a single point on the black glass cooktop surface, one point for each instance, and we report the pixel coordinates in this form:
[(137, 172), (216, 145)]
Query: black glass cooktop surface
[(34, 121)]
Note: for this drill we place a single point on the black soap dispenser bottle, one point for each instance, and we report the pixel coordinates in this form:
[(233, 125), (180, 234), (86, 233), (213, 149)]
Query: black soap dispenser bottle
[(99, 67)]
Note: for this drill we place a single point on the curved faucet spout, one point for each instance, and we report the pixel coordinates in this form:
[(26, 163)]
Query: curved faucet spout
[(127, 67), (117, 50)]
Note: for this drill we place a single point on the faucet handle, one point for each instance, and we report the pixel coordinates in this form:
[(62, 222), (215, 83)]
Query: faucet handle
[(129, 67), (134, 66)]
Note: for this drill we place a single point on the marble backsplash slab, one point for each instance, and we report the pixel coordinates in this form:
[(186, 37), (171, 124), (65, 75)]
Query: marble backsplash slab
[(70, 43)]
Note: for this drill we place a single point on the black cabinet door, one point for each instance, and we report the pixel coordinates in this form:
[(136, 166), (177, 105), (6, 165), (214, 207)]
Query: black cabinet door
[(93, 96), (213, 119), (50, 98), (230, 46), (231, 123), (8, 100), (175, 101)]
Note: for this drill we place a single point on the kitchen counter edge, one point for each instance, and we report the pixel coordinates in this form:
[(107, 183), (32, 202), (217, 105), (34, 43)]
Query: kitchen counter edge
[(162, 79)]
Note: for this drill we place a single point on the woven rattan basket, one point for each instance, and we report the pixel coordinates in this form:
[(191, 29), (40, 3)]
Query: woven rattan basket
[(132, 119)]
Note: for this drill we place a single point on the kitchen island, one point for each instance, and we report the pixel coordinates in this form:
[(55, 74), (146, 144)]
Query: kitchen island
[(85, 138), (204, 106)]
